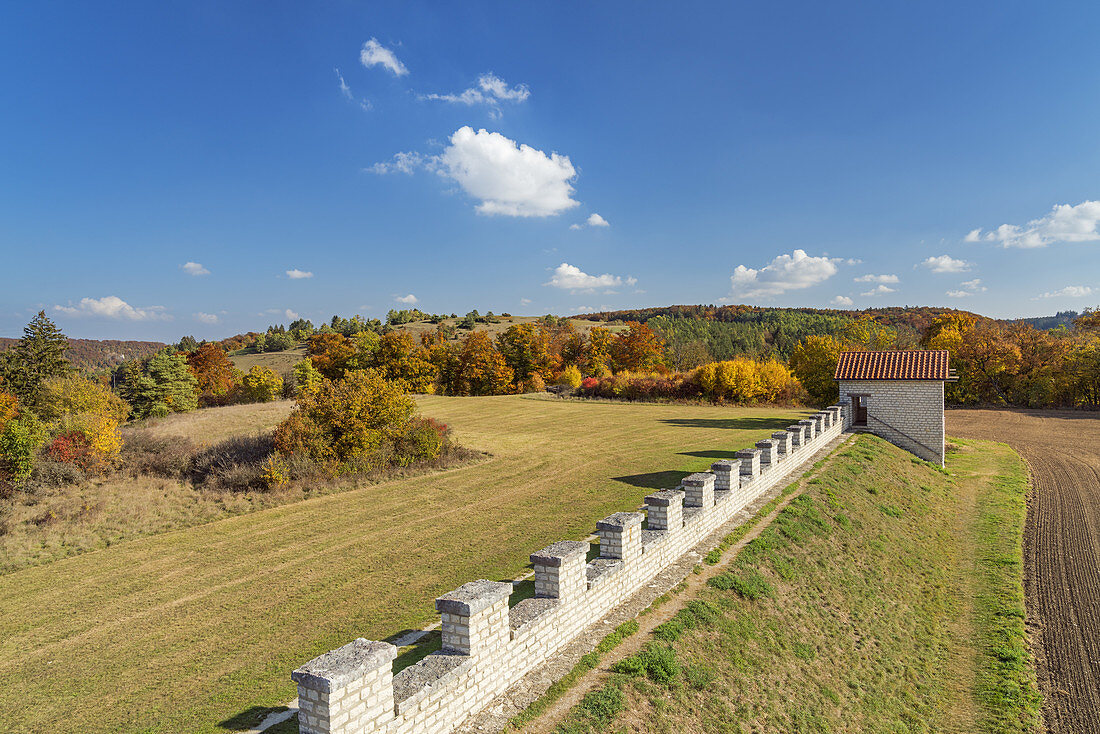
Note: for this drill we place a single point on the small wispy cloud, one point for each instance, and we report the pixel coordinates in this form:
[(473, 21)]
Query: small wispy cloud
[(374, 53), (206, 318), (410, 299), (1070, 291), (406, 163), (879, 290), (877, 279), (296, 274), (193, 268), (348, 94), (490, 90), (842, 301)]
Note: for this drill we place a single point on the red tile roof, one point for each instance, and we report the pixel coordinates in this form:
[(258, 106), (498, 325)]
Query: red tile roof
[(915, 364)]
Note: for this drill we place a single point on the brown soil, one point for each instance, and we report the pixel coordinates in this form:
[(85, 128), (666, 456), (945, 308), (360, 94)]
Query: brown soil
[(1061, 551)]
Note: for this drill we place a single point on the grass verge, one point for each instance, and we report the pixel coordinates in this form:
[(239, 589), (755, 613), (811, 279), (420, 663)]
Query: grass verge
[(887, 597)]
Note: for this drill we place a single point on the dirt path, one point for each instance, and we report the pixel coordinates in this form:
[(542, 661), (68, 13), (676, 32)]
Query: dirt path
[(1061, 551), (692, 582)]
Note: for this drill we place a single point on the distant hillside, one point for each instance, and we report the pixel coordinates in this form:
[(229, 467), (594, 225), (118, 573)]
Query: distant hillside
[(729, 331), (1046, 323), (91, 355)]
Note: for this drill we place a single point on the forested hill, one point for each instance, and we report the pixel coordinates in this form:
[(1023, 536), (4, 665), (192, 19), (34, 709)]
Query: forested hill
[(729, 331), (91, 355), (1045, 323)]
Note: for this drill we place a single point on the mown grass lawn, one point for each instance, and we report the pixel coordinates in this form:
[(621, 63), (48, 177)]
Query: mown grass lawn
[(188, 630), (886, 598)]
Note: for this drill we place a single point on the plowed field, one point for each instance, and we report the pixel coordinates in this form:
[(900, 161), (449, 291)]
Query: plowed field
[(1061, 551)]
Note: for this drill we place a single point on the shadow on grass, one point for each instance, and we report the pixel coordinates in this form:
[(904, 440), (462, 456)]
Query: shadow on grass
[(418, 650), (741, 424), (712, 454), (653, 479), (250, 718)]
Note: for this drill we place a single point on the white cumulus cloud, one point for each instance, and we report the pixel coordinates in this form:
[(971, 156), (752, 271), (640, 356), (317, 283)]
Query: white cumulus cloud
[(508, 178), (296, 274), (374, 53), (571, 278), (292, 315), (113, 307), (945, 264), (206, 318), (1070, 291), (842, 301), (1064, 223), (879, 290), (410, 299), (785, 273), (193, 268), (877, 279), (595, 220)]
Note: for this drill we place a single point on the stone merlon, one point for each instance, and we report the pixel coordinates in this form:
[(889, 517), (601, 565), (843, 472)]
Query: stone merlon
[(620, 521), (471, 598), (556, 554), (337, 668), (664, 498)]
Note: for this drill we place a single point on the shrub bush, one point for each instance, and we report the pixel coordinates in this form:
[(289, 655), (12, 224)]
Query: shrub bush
[(345, 419), (421, 439), (19, 442), (234, 464), (144, 452), (570, 377), (56, 474), (261, 385)]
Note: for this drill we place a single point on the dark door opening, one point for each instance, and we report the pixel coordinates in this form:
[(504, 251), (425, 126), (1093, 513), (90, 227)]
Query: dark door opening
[(859, 411)]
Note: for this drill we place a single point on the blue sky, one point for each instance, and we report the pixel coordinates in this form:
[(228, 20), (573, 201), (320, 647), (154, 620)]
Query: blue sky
[(166, 168)]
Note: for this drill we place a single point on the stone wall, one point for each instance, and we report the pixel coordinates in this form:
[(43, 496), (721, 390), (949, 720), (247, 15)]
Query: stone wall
[(487, 646), (907, 413)]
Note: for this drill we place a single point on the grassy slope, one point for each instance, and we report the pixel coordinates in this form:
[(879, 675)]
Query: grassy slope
[(178, 632), (891, 602)]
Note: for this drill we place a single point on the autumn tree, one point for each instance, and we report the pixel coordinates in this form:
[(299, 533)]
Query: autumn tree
[(331, 353), (399, 357), (214, 372), (813, 362), (262, 385), (597, 358), (638, 349), (482, 368), (526, 349)]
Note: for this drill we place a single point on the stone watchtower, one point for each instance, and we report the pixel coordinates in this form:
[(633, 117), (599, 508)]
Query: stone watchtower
[(897, 395)]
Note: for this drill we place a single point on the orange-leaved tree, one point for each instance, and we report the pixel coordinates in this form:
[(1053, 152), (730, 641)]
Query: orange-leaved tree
[(638, 349)]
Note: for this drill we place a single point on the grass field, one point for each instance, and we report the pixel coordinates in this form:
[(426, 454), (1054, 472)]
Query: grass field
[(197, 630), (887, 598)]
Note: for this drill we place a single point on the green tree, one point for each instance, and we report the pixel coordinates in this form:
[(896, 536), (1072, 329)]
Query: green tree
[(160, 386), (38, 356)]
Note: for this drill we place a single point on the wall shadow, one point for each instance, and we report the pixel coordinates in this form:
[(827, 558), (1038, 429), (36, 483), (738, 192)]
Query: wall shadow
[(743, 424), (250, 718), (712, 454), (653, 479)]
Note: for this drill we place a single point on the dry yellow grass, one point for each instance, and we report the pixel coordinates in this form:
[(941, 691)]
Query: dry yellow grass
[(180, 631), (211, 425)]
